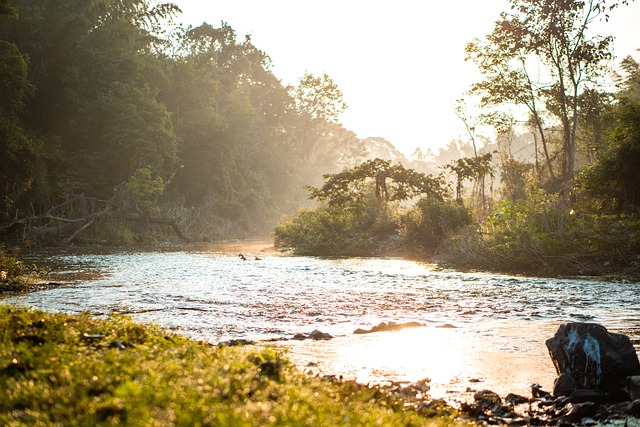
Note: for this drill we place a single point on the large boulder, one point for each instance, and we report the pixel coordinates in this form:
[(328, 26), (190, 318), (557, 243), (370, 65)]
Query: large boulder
[(593, 357)]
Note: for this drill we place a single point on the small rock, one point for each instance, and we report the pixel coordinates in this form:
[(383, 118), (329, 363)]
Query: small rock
[(537, 392), (633, 408), (391, 326), (487, 395), (578, 412), (447, 326), (564, 385), (633, 387), (300, 337), (318, 335), (515, 399)]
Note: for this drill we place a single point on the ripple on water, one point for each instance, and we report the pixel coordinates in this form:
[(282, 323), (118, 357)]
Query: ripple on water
[(216, 297)]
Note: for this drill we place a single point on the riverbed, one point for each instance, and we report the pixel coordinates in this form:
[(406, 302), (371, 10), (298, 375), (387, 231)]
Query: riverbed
[(479, 330)]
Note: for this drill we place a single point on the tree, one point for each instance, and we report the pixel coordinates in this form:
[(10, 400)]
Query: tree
[(23, 169), (320, 98), (470, 168), (629, 83), (550, 37), (613, 180), (349, 186)]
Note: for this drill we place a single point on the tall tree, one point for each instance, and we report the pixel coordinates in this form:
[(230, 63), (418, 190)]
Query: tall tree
[(23, 168), (553, 37)]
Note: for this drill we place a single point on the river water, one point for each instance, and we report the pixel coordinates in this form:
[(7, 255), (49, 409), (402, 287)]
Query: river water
[(480, 330)]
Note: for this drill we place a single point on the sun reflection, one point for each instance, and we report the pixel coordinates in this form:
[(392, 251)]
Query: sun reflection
[(406, 355), (506, 358)]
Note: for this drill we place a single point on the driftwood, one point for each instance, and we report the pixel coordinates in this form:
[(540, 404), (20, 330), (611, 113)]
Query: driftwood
[(63, 223)]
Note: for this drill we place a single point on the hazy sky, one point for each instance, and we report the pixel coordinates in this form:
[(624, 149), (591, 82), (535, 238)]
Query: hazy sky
[(399, 63)]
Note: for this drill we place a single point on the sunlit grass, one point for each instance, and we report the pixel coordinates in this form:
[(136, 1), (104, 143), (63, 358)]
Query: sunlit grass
[(58, 369)]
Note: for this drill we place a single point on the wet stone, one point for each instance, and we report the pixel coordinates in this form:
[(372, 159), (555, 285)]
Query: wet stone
[(633, 408), (633, 387), (594, 357), (318, 335), (515, 399), (315, 335)]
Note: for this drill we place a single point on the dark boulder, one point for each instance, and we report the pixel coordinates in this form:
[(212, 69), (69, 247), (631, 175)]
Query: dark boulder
[(592, 356)]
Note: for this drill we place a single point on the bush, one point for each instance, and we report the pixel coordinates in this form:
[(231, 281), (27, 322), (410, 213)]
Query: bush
[(430, 222), (15, 276), (323, 231), (546, 235)]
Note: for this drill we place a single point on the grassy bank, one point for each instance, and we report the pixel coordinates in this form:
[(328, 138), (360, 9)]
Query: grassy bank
[(58, 369)]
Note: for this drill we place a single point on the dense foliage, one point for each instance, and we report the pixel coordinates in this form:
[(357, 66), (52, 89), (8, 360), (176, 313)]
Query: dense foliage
[(96, 94), (60, 369), (362, 212)]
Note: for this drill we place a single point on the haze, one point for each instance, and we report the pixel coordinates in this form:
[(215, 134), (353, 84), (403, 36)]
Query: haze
[(400, 65)]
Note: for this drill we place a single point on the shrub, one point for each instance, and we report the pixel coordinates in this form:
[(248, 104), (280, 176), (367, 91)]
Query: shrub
[(323, 231), (430, 222)]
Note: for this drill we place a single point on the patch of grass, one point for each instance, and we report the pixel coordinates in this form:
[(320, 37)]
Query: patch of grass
[(15, 276), (59, 369)]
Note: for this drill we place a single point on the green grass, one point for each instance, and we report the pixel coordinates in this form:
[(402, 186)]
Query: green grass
[(65, 370)]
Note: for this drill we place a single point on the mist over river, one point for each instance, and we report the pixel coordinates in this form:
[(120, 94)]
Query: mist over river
[(480, 330)]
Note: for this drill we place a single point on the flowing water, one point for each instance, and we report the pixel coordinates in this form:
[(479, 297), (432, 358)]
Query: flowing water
[(480, 330)]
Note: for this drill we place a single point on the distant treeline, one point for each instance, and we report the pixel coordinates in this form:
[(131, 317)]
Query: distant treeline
[(98, 95)]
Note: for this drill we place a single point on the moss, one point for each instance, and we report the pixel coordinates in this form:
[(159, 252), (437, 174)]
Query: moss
[(58, 369)]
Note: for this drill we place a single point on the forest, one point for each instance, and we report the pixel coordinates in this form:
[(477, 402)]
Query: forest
[(120, 125), (112, 109)]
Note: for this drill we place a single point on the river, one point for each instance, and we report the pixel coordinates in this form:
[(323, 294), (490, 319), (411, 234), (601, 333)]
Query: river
[(480, 330)]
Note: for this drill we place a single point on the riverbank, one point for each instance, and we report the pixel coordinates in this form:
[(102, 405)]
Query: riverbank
[(59, 369)]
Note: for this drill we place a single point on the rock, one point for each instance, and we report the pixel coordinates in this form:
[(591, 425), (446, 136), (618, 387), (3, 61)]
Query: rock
[(314, 335), (578, 412), (487, 395), (487, 401), (633, 387), (633, 408), (447, 326), (564, 385), (594, 357), (391, 326), (587, 395), (515, 399), (537, 392), (318, 335)]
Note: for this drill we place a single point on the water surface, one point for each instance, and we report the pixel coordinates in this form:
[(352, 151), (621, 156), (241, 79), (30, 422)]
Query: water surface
[(480, 330)]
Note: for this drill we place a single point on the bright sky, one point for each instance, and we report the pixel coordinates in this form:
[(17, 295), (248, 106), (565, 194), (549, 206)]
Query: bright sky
[(400, 63)]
